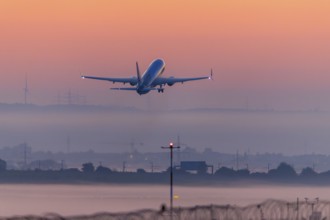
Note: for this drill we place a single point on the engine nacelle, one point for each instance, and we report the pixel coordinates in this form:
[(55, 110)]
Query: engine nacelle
[(171, 83), (135, 81)]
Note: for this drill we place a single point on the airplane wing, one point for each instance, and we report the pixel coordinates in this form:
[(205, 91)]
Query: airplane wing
[(172, 80), (132, 80)]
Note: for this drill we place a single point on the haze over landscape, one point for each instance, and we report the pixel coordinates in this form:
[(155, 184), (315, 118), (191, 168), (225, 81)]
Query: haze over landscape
[(91, 128)]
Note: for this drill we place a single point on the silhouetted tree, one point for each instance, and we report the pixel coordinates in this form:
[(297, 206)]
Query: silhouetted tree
[(3, 165), (225, 171), (308, 172), (102, 169), (325, 174), (284, 170), (140, 171), (176, 171), (72, 170), (229, 172), (243, 173), (88, 168)]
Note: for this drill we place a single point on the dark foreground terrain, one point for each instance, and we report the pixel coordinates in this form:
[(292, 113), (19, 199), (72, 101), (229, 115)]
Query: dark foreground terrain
[(270, 209)]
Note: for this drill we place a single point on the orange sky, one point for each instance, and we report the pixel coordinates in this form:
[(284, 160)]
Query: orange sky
[(275, 52)]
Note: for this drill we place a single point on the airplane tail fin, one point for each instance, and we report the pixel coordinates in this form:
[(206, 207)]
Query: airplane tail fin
[(138, 73)]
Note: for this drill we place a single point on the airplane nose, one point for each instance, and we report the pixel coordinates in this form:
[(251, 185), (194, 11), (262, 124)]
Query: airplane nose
[(160, 61)]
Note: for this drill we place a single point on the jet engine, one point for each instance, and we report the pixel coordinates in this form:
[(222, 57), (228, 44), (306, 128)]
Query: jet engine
[(135, 81), (169, 83)]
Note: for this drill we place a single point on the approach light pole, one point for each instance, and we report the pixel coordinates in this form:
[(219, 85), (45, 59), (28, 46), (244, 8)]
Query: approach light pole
[(171, 147)]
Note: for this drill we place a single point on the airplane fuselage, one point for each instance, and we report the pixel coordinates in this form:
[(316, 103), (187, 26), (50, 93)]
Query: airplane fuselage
[(154, 71)]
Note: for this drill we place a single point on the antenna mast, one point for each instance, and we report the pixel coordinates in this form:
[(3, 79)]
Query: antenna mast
[(179, 152), (26, 90)]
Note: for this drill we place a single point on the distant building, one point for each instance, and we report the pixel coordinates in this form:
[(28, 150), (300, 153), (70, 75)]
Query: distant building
[(199, 167)]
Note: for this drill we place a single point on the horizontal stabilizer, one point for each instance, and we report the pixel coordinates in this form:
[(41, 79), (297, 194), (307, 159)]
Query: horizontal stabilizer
[(130, 89)]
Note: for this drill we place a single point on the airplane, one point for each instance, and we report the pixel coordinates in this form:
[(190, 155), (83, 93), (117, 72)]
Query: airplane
[(150, 79)]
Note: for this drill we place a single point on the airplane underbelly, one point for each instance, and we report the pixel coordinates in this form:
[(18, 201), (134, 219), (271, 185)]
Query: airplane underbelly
[(143, 91)]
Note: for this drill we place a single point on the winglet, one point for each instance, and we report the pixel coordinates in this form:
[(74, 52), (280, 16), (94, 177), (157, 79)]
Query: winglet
[(211, 75), (138, 73)]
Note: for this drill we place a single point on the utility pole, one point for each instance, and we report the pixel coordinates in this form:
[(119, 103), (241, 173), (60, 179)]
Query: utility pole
[(247, 104), (69, 97), (25, 155), (236, 160), (171, 147), (124, 166), (152, 166), (68, 144)]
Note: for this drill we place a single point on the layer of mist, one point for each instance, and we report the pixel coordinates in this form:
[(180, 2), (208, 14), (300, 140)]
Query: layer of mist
[(102, 129)]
